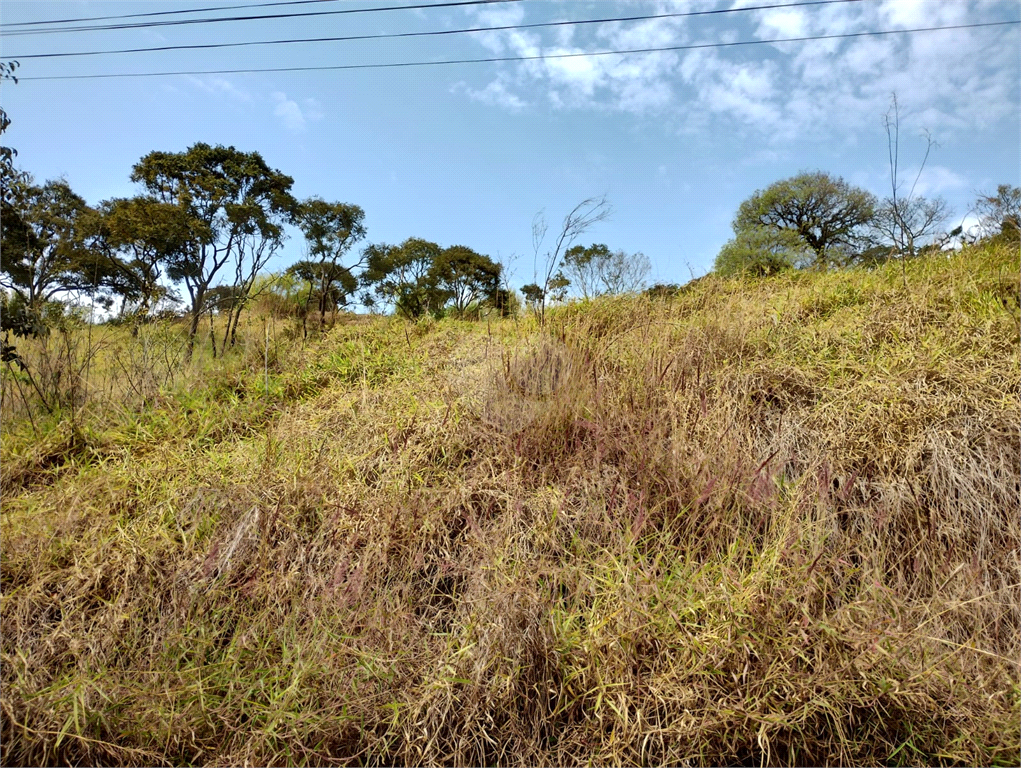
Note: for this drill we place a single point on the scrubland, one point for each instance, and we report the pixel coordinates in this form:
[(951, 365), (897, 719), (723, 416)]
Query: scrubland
[(760, 522)]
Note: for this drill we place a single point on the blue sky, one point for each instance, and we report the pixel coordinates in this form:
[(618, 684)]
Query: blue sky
[(469, 153)]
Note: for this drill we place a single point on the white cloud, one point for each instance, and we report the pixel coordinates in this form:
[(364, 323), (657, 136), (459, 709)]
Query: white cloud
[(313, 109), (937, 179), (783, 22), (950, 82), (219, 86), (495, 94), (291, 114)]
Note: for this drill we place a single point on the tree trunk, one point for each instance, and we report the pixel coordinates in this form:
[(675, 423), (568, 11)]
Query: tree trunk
[(212, 333)]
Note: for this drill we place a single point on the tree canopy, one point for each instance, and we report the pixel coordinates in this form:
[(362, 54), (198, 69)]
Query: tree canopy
[(402, 276), (827, 213), (465, 278), (597, 270), (330, 229), (44, 244), (763, 251), (234, 198)]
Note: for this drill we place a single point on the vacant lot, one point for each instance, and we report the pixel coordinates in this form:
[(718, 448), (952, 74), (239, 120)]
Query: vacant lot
[(760, 522)]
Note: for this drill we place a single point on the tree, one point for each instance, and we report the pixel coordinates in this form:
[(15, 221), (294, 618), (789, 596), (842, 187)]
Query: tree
[(146, 234), (465, 277), (330, 230), (1001, 213), (662, 290), (581, 265), (328, 285), (828, 214), (10, 177), (905, 223), (231, 196), (549, 277), (763, 251), (598, 270), (44, 248), (402, 276), (533, 294)]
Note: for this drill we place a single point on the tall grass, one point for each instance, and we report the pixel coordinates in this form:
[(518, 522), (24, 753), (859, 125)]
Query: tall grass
[(768, 522)]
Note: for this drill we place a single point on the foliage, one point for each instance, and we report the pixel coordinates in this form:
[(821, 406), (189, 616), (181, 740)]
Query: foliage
[(330, 230), (597, 270), (1000, 214), (533, 294), (238, 205), (465, 278), (141, 235), (45, 248), (763, 251), (329, 285), (402, 276), (10, 177), (281, 294), (828, 214), (662, 290)]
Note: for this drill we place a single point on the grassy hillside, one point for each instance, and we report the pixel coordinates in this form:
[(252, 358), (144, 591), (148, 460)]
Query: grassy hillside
[(762, 522)]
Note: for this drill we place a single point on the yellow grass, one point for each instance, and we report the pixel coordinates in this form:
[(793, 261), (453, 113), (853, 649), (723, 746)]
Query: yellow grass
[(768, 522)]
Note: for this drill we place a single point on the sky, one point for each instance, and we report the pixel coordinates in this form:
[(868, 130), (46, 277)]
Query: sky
[(469, 153)]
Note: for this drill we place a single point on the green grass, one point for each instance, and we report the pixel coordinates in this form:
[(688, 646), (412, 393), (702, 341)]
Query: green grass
[(764, 522)]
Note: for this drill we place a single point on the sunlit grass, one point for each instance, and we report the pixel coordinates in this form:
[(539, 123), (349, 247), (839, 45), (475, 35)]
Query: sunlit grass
[(764, 522)]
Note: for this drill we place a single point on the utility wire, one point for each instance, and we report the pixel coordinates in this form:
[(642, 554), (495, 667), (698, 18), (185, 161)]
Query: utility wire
[(392, 35), (526, 58), (166, 13), (305, 14)]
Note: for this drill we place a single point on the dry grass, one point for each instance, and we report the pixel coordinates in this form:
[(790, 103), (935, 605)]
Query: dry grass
[(762, 523)]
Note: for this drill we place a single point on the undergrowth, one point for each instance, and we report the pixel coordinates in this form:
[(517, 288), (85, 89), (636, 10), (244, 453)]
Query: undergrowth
[(762, 522)]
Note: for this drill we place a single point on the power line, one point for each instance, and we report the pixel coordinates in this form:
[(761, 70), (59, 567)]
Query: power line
[(305, 14), (496, 59), (166, 13), (391, 35)]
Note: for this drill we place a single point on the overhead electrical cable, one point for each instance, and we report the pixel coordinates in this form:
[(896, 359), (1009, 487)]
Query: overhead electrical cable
[(166, 13), (496, 59), (432, 33), (264, 16)]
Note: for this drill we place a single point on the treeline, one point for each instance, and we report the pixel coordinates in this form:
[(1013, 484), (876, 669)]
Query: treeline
[(207, 221), (816, 221)]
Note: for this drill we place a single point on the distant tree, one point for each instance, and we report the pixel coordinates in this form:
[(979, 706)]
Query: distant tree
[(44, 245), (465, 278), (231, 196), (581, 266), (220, 299), (827, 213), (557, 287), (533, 294), (662, 290), (329, 286), (141, 235), (906, 222), (403, 277), (505, 301), (330, 230), (763, 251), (1001, 213), (548, 265), (598, 270), (281, 294)]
